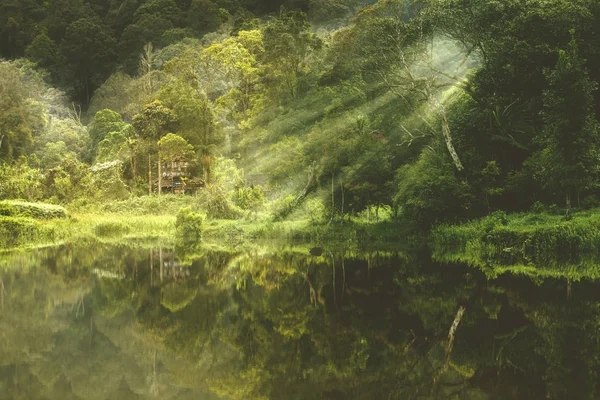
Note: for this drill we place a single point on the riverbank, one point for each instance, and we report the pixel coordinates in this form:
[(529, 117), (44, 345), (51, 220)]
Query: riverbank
[(117, 223), (522, 241)]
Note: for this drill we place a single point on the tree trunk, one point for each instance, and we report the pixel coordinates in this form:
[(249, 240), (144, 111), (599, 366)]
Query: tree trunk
[(309, 184), (133, 166), (450, 345), (172, 175), (159, 176), (149, 175), (446, 132), (568, 201), (332, 198), (342, 189)]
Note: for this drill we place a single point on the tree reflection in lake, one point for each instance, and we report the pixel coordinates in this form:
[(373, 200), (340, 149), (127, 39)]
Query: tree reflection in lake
[(118, 322)]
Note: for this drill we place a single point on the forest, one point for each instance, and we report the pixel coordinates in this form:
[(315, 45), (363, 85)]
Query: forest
[(300, 199), (420, 112)]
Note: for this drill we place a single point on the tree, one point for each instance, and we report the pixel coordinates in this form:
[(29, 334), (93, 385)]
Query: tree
[(237, 59), (147, 28), (154, 121), (203, 17), (45, 53), (173, 147), (104, 122), (570, 142), (289, 43), (413, 65), (89, 50), (197, 122), (22, 113), (166, 8)]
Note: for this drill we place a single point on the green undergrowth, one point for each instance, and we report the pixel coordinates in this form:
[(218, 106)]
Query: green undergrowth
[(153, 218), (535, 244), (16, 231), (12, 208), (167, 204)]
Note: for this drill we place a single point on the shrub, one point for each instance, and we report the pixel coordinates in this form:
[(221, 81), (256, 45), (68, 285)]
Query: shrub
[(15, 231), (538, 207), (217, 203), (283, 207), (188, 226), (33, 210)]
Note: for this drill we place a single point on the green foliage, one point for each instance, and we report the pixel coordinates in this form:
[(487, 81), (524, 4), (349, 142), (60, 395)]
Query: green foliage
[(22, 113), (429, 190), (111, 229), (154, 121), (104, 122), (167, 204), (249, 198), (283, 207), (16, 231), (89, 49), (546, 241), (31, 210), (411, 107), (188, 225), (19, 181), (173, 147), (218, 204)]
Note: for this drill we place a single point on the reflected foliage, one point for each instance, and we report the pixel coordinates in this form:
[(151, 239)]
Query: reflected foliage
[(99, 322)]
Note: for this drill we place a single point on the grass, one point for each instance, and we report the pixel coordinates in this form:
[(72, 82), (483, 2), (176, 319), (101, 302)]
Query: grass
[(152, 218), (535, 244)]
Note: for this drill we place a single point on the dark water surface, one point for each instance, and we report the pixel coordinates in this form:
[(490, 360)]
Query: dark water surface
[(121, 322)]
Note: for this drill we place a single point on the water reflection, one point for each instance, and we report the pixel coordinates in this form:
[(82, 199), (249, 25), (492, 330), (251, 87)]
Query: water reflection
[(116, 322)]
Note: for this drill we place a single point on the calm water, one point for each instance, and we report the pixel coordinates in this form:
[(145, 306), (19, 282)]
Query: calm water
[(103, 322)]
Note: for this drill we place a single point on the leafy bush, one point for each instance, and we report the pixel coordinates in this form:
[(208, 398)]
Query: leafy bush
[(33, 210), (283, 207), (217, 203), (188, 225), (538, 207), (15, 231), (249, 198), (590, 202)]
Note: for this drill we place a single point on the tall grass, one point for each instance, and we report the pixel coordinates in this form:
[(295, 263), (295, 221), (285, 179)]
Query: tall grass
[(524, 241)]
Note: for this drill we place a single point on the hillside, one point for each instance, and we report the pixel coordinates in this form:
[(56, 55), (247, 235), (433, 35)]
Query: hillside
[(429, 111)]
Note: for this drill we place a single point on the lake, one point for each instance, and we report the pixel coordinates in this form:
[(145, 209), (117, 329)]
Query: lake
[(97, 321)]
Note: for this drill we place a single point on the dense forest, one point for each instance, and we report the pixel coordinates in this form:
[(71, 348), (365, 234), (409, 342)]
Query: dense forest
[(300, 199), (433, 110)]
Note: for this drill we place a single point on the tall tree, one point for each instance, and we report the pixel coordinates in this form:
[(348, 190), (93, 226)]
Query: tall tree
[(22, 113), (289, 43), (570, 142), (89, 50)]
